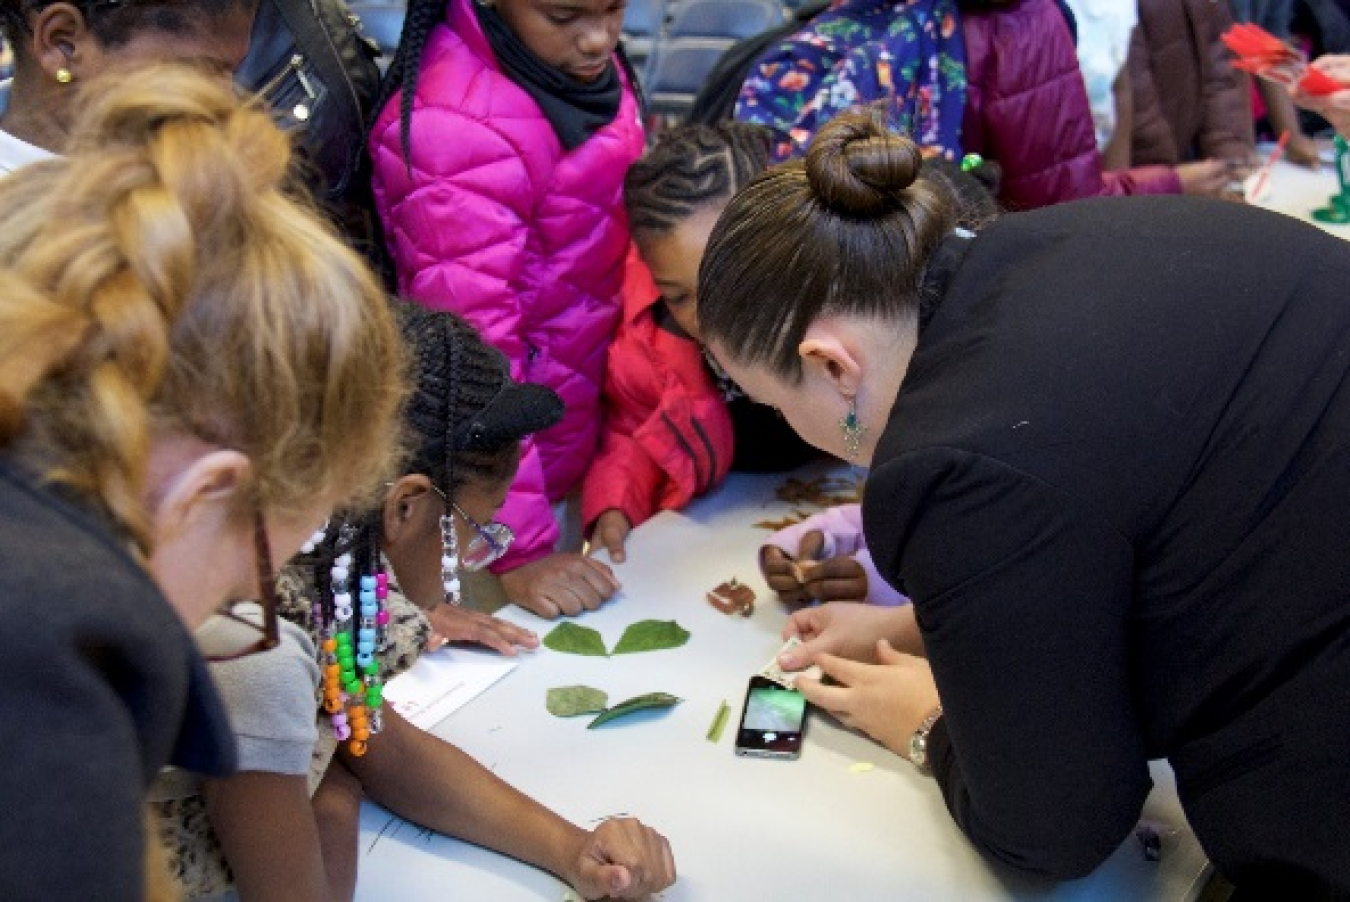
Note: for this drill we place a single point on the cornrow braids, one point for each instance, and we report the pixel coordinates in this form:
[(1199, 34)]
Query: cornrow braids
[(690, 168), (406, 66), (466, 417)]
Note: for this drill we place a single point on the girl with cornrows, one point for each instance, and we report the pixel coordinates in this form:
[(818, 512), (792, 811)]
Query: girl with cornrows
[(499, 159), (352, 605), (193, 373), (1110, 464)]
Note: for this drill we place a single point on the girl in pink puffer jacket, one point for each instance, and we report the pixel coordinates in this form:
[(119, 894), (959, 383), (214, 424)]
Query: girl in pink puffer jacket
[(499, 158)]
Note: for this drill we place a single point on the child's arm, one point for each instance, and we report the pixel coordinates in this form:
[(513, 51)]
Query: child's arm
[(430, 782), (270, 699), (1227, 132), (280, 856), (825, 558)]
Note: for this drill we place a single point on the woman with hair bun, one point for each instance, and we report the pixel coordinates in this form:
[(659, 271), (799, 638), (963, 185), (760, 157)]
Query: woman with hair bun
[(1108, 449), (193, 373)]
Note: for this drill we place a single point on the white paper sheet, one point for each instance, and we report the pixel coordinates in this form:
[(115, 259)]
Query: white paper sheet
[(443, 681)]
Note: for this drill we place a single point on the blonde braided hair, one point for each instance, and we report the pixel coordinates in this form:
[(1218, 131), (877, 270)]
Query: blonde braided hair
[(158, 280)]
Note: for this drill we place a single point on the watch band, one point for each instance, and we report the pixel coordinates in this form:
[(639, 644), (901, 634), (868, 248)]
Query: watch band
[(918, 743)]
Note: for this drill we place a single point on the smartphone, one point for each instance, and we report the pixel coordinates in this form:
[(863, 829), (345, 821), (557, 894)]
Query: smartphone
[(772, 721)]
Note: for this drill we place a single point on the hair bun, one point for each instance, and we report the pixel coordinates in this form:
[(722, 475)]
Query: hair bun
[(857, 166)]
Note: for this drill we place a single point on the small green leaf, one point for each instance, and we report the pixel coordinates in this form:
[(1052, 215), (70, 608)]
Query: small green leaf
[(641, 703), (651, 635), (575, 640), (568, 701)]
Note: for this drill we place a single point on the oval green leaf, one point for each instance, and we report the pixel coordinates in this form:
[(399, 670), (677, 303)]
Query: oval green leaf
[(651, 635), (569, 701), (641, 703), (572, 639)]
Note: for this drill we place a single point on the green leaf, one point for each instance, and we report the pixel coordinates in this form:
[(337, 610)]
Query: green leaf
[(575, 640), (651, 635), (568, 701), (641, 703)]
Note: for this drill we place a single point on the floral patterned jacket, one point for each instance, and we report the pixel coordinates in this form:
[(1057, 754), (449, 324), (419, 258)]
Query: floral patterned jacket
[(910, 53)]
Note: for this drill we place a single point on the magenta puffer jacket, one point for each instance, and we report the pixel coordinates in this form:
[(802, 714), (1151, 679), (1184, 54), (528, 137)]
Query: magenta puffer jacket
[(495, 221), (1026, 105)]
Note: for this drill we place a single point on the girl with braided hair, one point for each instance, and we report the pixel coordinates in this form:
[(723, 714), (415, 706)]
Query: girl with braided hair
[(59, 45), (193, 373), (671, 418), (499, 159), (352, 605)]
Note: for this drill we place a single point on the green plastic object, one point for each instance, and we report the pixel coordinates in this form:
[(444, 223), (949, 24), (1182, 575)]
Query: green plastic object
[(1337, 210)]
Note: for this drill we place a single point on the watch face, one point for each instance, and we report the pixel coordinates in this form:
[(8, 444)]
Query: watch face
[(918, 749)]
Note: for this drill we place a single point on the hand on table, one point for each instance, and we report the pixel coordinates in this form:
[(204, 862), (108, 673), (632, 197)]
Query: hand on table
[(611, 531), (1208, 178), (849, 630), (560, 584), (887, 700), (451, 623), (622, 859), (806, 578)]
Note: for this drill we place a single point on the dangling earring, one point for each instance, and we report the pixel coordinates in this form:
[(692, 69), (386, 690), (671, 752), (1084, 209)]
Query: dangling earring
[(853, 429), (64, 76), (449, 558)]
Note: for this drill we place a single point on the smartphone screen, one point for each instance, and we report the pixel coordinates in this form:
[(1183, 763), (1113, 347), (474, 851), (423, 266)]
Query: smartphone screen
[(771, 724)]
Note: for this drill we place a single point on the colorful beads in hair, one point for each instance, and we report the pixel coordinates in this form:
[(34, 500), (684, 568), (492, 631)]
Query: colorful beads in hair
[(353, 692)]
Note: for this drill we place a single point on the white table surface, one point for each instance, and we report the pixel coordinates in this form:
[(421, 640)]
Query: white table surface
[(741, 828), (1297, 191)]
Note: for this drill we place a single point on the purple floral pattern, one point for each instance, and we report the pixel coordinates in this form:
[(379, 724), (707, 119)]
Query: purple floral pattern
[(908, 54)]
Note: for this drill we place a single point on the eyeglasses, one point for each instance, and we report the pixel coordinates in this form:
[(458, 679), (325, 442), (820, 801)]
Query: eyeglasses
[(490, 542), (236, 632)]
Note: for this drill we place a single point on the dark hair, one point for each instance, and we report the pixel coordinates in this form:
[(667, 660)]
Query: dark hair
[(466, 417), (114, 22), (848, 229), (688, 169), (406, 66), (462, 423)]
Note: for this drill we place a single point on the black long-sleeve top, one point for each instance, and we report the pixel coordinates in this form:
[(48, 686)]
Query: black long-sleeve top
[(1116, 484), (102, 686)]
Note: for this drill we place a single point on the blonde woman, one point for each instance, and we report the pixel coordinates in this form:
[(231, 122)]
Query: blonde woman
[(193, 373)]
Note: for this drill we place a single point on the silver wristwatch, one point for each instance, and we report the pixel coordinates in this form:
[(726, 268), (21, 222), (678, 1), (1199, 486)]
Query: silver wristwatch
[(918, 743)]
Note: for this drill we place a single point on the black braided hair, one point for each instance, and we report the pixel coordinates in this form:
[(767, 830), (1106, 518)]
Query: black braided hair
[(466, 417), (974, 184), (690, 168), (406, 66), (114, 23), (463, 423)]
